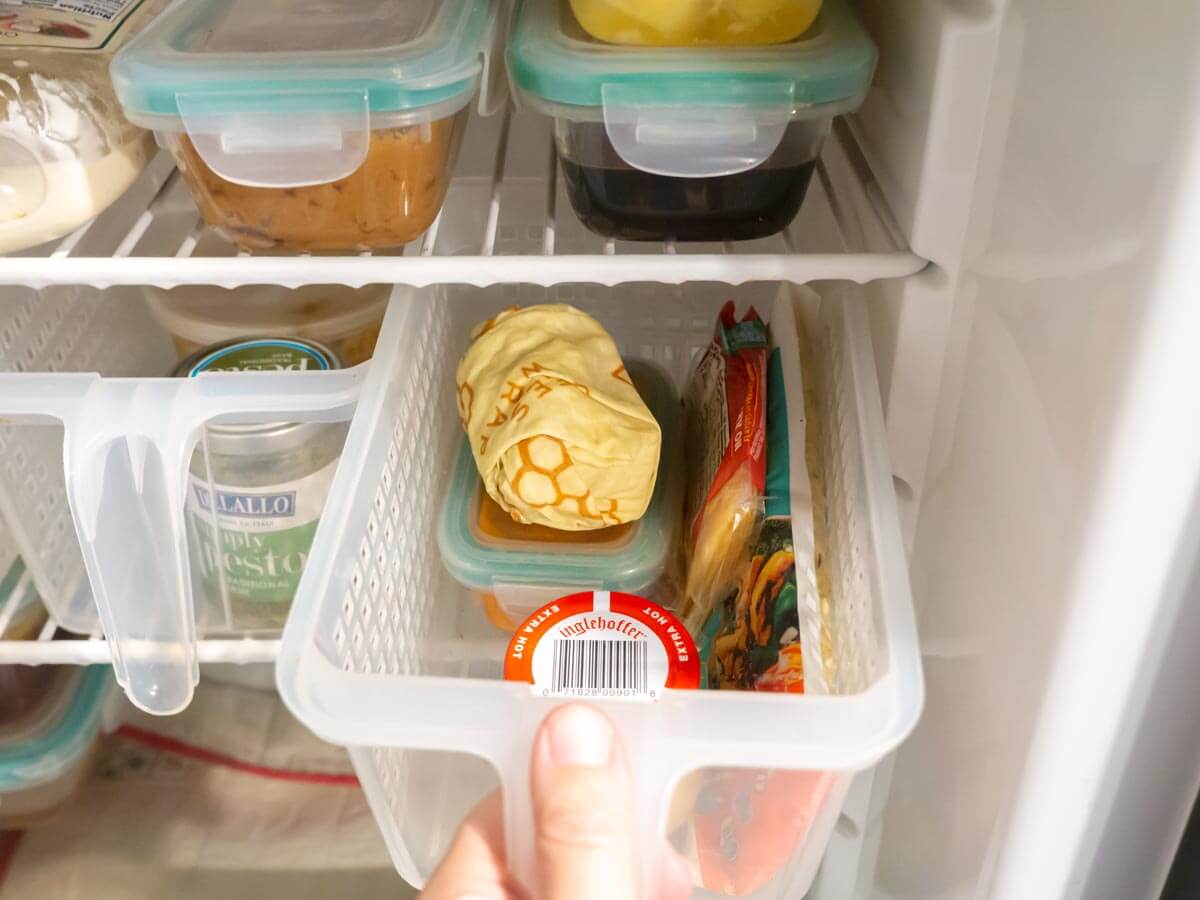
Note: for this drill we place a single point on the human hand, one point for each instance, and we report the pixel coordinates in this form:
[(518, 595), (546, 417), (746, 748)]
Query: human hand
[(584, 823)]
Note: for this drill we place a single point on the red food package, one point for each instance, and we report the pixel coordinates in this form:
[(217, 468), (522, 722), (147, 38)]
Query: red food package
[(725, 410), (749, 822)]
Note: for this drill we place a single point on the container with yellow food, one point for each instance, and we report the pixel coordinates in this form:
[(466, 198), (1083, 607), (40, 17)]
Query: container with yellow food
[(515, 568), (685, 23)]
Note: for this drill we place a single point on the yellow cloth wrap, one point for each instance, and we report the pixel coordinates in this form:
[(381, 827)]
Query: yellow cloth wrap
[(560, 435)]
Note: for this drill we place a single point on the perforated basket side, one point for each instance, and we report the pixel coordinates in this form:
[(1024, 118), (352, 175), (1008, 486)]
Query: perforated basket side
[(62, 329), (851, 638), (385, 607)]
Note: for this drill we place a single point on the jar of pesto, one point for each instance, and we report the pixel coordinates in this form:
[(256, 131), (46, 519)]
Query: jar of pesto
[(255, 493)]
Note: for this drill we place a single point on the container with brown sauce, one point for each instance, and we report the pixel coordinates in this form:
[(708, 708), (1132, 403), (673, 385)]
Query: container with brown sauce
[(310, 124)]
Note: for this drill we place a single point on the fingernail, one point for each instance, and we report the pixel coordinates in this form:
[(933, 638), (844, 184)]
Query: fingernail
[(579, 736)]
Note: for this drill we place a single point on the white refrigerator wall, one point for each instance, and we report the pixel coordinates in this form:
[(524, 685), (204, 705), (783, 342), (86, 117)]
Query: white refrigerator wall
[(1049, 557)]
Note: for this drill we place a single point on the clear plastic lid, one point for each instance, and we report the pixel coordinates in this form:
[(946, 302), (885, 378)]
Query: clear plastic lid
[(689, 112), (484, 550), (208, 315), (284, 93)]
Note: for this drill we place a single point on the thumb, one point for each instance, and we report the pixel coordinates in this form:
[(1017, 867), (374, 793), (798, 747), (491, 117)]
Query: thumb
[(582, 809)]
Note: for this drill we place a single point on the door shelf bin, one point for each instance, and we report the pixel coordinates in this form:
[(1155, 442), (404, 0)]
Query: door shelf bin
[(384, 653)]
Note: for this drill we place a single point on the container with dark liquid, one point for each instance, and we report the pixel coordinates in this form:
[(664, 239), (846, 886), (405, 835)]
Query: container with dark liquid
[(687, 144), (619, 200)]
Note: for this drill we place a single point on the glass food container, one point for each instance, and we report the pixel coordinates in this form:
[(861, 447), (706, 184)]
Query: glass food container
[(696, 144), (255, 494), (48, 727), (684, 23), (310, 124), (347, 320), (518, 568), (66, 150)]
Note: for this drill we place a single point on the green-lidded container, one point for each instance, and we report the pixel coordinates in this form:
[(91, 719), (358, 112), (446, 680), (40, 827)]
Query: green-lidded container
[(688, 143), (518, 568), (46, 738), (310, 126)]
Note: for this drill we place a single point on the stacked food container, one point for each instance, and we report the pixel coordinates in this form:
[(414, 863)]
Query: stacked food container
[(49, 723), (518, 568), (50, 716), (333, 129), (712, 141)]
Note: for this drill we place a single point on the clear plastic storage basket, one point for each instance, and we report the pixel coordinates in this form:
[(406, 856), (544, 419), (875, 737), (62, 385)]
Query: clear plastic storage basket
[(387, 654)]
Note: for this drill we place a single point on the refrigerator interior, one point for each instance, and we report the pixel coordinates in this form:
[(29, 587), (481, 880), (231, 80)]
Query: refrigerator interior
[(233, 797), (1051, 557), (1040, 156)]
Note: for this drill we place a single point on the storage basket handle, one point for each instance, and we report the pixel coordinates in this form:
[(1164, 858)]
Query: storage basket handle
[(655, 767), (126, 448)]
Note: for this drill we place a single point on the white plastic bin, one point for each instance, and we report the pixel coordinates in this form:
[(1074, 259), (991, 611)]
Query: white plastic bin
[(384, 652), (94, 495)]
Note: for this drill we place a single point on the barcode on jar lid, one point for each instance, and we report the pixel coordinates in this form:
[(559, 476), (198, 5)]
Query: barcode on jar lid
[(600, 668), (605, 646)]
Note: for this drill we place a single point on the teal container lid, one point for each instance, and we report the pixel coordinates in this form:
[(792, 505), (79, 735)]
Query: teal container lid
[(824, 71), (52, 747), (285, 93), (303, 55), (690, 112), (630, 562)]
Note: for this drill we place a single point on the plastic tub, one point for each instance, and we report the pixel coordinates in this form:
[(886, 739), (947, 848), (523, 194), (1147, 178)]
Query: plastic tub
[(704, 144), (518, 568), (386, 653), (344, 319), (46, 743), (333, 126), (682, 23), (66, 151)]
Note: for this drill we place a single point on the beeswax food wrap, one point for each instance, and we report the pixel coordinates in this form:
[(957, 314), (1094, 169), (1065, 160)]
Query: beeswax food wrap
[(559, 433)]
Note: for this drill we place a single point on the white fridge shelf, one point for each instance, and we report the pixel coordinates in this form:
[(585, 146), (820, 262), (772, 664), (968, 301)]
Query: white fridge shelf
[(49, 648), (506, 222), (506, 219)]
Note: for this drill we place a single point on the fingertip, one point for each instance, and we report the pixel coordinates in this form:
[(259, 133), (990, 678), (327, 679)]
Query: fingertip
[(583, 808), (577, 735), (474, 864), (676, 874)]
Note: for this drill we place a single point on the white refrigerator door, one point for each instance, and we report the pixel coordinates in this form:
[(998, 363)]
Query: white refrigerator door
[(1056, 542)]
